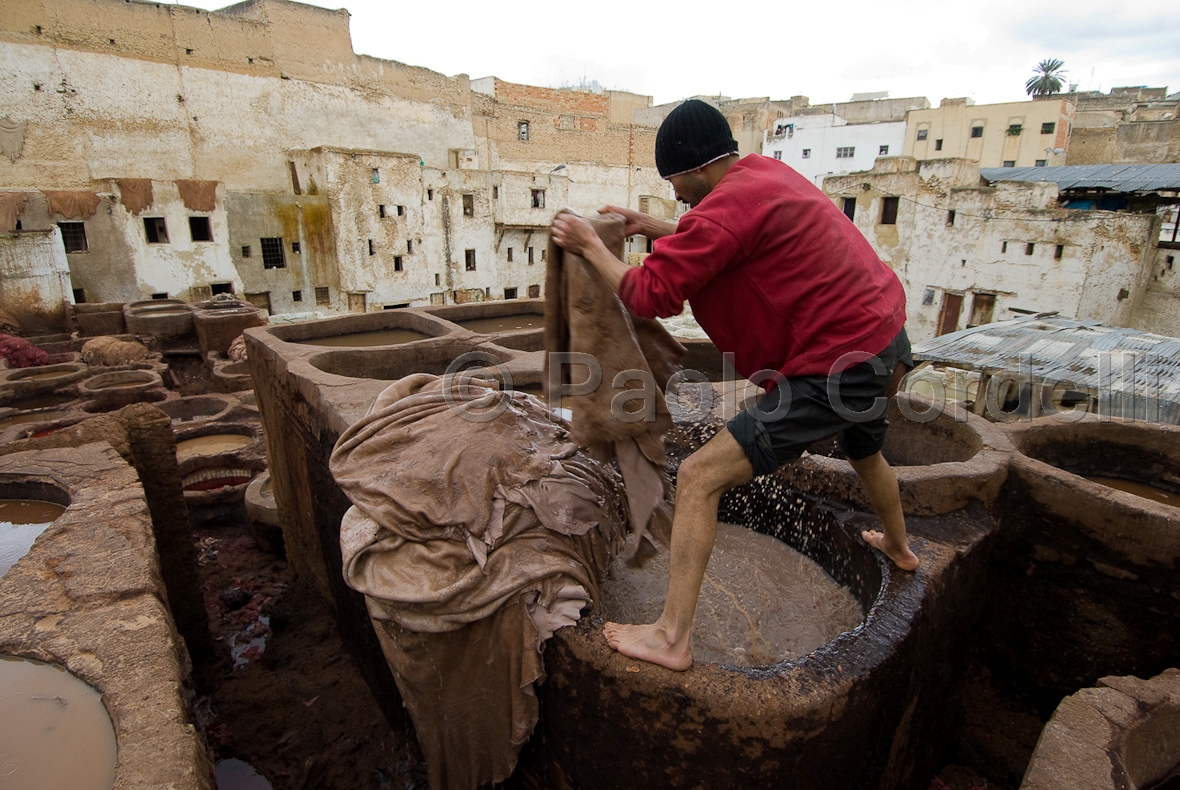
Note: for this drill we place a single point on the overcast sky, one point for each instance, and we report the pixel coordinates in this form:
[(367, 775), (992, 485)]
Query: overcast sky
[(672, 50)]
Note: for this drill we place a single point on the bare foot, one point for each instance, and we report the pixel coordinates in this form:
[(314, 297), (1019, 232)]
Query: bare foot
[(647, 643), (902, 557)]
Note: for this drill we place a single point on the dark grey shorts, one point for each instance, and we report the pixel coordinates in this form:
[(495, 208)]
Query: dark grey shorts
[(803, 410)]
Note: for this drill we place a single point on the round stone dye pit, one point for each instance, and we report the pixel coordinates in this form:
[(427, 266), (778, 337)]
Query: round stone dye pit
[(113, 390), (54, 730), (21, 522)]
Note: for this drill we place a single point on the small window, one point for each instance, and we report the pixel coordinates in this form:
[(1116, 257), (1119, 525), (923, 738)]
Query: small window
[(806, 153), (950, 217), (928, 297), (850, 207), (372, 249), (534, 291), (73, 236), (322, 295), (397, 263), (977, 131), (542, 255), (889, 211), (200, 229), (272, 253), (469, 259), (1009, 163), (245, 250), (79, 296), (376, 175), (1028, 248), (883, 150), (1048, 128), (522, 130), (381, 211), (938, 144), (922, 133), (221, 288), (1041, 163), (509, 293), (778, 155), (430, 194), (401, 211), (469, 205), (160, 295), (495, 193), (295, 248), (1004, 246), (530, 256), (538, 198), (1015, 129), (409, 246), (845, 152), (156, 230), (1058, 252), (297, 296), (437, 280), (510, 255)]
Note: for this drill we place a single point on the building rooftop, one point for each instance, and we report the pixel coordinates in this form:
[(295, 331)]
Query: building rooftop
[(1116, 178)]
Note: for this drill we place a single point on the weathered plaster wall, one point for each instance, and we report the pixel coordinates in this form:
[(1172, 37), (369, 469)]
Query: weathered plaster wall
[(1159, 308), (35, 279), (1009, 242)]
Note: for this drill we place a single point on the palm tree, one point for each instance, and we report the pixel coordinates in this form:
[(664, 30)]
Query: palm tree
[(1046, 79)]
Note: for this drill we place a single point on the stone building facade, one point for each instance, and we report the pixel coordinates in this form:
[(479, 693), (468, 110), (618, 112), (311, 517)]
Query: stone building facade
[(1016, 134), (338, 182), (1127, 125)]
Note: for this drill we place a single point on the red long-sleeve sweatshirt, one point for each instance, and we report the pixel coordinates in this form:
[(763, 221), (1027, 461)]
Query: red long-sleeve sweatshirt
[(774, 272)]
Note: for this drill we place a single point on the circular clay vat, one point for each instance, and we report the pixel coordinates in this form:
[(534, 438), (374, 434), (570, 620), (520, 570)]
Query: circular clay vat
[(943, 457), (262, 514), (232, 376), (26, 510), (217, 462), (393, 364), (196, 408), (54, 730), (159, 317), (100, 318), (387, 328), (610, 721), (218, 326), (119, 388), (18, 424), (27, 381), (1118, 481)]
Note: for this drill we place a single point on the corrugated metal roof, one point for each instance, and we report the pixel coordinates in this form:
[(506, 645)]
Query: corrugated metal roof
[(1117, 178), (1134, 374)]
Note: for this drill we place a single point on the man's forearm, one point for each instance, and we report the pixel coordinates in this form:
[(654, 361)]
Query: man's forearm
[(658, 228)]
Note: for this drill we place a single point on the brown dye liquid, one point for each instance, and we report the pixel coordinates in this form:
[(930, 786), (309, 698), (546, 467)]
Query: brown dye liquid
[(213, 445), (21, 521), (1138, 489), (43, 376), (39, 416), (761, 601), (386, 337), (54, 730), (120, 385), (507, 323), (41, 402)]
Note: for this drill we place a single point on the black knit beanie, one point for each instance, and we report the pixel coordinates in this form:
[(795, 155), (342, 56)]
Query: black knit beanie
[(693, 135)]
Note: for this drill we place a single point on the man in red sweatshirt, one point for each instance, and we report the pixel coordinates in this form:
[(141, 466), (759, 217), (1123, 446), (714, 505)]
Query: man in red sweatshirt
[(778, 276)]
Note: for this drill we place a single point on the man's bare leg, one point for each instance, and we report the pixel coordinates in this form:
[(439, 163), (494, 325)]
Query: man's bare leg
[(881, 485), (704, 476)]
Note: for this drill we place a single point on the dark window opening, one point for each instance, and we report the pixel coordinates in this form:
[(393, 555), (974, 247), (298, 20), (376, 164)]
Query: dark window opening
[(928, 296), (522, 130), (889, 211), (1028, 248), (1003, 246), (188, 51), (530, 256), (245, 250), (19, 226), (272, 253), (538, 198), (509, 293), (156, 230), (401, 211), (322, 297), (495, 193), (1048, 128), (542, 255), (161, 295), (437, 279), (79, 296), (430, 194), (397, 263), (469, 205), (510, 255), (469, 259), (950, 217), (376, 171), (977, 131), (938, 144), (372, 250), (849, 208), (409, 246), (1009, 163), (650, 246), (778, 155), (882, 150), (294, 179), (73, 236), (1015, 129), (297, 296), (1058, 252), (806, 153), (922, 133), (1041, 163), (845, 152), (381, 211), (200, 229), (534, 291), (295, 248), (398, 306), (221, 288)]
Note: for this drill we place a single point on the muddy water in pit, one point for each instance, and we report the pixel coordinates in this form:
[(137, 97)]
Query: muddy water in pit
[(43, 376), (37, 416), (120, 385), (1138, 489), (386, 337), (214, 444), (761, 600), (21, 521), (508, 323), (54, 730), (42, 402)]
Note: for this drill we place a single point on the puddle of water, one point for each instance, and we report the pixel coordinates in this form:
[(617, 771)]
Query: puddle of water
[(1138, 489), (387, 337), (507, 323), (21, 521), (215, 444), (54, 730), (761, 601), (233, 774)]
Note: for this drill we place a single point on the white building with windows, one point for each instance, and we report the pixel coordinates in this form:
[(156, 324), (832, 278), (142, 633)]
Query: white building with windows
[(822, 145)]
